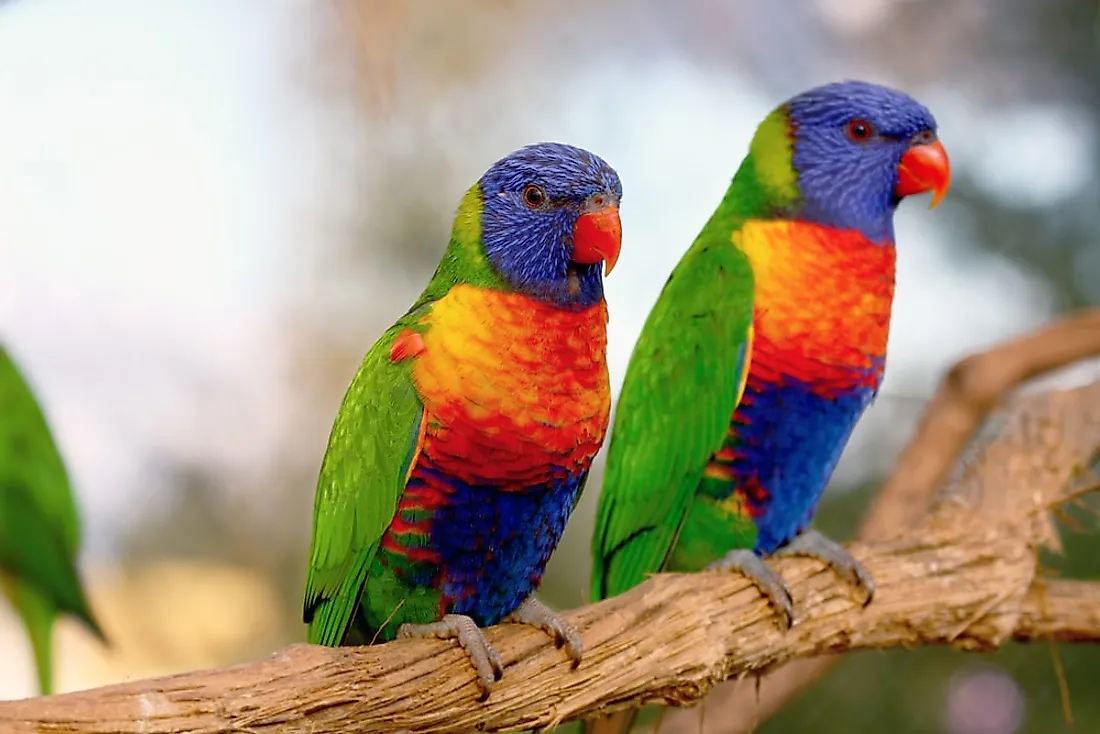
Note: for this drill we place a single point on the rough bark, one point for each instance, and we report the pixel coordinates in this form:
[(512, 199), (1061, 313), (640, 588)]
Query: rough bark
[(963, 577), (670, 640), (959, 571)]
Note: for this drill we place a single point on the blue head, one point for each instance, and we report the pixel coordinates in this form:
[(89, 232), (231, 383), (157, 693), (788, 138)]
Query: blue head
[(549, 221), (856, 150)]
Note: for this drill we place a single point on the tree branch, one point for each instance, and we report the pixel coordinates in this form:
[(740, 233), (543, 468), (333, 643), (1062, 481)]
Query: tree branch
[(669, 640), (1077, 618), (964, 577), (968, 393)]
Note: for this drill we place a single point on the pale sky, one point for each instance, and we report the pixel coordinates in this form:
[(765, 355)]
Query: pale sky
[(162, 172)]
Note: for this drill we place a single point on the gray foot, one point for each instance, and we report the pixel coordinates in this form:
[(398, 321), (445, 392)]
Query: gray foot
[(813, 544), (535, 613), (769, 582), (459, 627)]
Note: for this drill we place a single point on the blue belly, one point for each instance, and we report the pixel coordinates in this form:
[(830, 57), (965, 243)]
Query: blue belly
[(494, 545), (790, 444)]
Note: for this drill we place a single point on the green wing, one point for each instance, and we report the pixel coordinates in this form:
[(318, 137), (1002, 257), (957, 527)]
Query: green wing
[(32, 472), (684, 381), (375, 438), (39, 526), (33, 555)]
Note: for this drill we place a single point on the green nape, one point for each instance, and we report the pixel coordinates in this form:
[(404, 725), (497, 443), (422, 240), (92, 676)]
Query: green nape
[(464, 261), (765, 184), (772, 153)]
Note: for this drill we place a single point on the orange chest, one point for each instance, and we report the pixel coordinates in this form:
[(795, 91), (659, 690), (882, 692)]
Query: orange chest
[(513, 386), (820, 293)]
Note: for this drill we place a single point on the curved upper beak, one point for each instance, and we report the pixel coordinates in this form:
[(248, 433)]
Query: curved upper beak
[(924, 167), (597, 237)]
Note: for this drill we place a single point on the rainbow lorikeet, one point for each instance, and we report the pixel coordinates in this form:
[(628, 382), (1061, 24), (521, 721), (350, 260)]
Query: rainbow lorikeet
[(765, 347), (466, 436), (39, 526)]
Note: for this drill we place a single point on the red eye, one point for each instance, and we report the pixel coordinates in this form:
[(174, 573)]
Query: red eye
[(533, 196), (924, 137), (860, 130)]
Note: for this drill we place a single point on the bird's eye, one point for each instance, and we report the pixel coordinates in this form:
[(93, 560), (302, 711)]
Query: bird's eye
[(533, 196), (924, 137), (860, 130)]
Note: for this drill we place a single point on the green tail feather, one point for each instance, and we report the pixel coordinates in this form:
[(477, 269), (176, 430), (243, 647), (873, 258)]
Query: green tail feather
[(38, 616)]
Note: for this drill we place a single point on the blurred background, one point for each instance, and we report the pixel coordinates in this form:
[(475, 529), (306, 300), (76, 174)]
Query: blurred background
[(210, 210)]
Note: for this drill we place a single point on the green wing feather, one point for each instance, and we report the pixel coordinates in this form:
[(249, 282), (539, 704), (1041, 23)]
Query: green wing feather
[(685, 378), (39, 525), (375, 438)]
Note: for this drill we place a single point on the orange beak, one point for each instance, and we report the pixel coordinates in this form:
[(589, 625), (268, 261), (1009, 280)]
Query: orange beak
[(924, 167), (597, 237)]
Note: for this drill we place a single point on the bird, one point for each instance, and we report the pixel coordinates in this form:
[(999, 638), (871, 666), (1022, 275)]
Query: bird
[(39, 523), (765, 347), (466, 436)]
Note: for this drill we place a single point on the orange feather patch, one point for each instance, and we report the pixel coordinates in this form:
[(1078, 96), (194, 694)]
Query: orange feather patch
[(407, 344), (823, 298), (514, 390)]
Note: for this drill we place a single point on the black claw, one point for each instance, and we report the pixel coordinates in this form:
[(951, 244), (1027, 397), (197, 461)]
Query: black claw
[(535, 613), (469, 636), (785, 611), (770, 583), (497, 665), (813, 544), (868, 586)]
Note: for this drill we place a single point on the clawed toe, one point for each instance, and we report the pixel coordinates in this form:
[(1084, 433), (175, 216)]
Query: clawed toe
[(483, 656), (768, 581), (813, 544), (565, 635)]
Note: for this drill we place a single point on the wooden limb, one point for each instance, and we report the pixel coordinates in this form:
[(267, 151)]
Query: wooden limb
[(1078, 615), (669, 640), (964, 579), (967, 395)]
